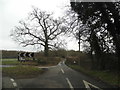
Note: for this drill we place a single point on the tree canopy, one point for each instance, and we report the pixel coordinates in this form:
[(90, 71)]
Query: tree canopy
[(103, 20), (40, 28)]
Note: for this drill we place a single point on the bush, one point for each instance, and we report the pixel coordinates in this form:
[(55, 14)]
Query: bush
[(58, 53), (111, 62), (41, 61), (73, 60)]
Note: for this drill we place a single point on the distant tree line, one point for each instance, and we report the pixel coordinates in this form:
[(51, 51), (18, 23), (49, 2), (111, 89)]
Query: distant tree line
[(54, 53), (9, 54)]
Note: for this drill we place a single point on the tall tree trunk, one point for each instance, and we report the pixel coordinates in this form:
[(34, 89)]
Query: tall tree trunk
[(96, 48), (46, 42), (46, 49), (112, 29)]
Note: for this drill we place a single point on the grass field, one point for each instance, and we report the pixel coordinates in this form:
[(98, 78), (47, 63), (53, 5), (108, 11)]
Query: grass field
[(40, 62), (105, 76), (10, 62), (22, 71), (9, 59)]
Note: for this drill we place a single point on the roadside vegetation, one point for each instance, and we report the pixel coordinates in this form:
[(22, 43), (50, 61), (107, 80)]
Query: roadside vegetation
[(81, 62), (30, 68), (10, 62), (22, 71), (105, 76), (40, 60)]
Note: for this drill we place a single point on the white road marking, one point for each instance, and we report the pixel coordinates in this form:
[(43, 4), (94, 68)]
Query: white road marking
[(87, 85), (52, 66), (14, 83), (43, 67), (59, 64), (64, 61), (62, 70), (70, 85), (48, 67), (12, 80)]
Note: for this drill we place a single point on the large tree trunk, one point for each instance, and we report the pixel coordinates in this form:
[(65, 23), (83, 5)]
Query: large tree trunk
[(97, 60), (46, 49), (112, 29), (46, 43)]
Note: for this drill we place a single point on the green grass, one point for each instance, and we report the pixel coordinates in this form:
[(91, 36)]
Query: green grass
[(43, 61), (9, 59), (105, 76), (16, 62), (22, 71), (48, 61), (10, 62)]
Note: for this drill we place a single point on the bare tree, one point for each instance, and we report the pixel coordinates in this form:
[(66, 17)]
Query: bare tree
[(39, 28), (75, 26)]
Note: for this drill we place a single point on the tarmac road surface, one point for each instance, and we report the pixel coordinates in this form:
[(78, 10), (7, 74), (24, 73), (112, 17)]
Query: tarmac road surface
[(59, 76)]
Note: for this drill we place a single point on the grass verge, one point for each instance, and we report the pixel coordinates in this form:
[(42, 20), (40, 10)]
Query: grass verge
[(22, 71), (108, 77), (43, 61), (10, 62), (16, 62), (9, 59)]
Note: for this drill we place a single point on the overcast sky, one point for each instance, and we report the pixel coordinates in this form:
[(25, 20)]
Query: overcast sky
[(12, 11)]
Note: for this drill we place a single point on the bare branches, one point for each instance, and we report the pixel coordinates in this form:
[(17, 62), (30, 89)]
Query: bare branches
[(40, 28)]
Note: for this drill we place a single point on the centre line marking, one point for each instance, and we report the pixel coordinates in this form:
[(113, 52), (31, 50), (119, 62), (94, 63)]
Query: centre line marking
[(62, 71), (12, 80), (14, 83), (70, 85)]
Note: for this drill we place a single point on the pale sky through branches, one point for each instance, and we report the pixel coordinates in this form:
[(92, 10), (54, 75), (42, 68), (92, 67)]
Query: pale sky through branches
[(12, 11)]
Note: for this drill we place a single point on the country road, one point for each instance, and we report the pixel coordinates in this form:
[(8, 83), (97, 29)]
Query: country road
[(59, 76)]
